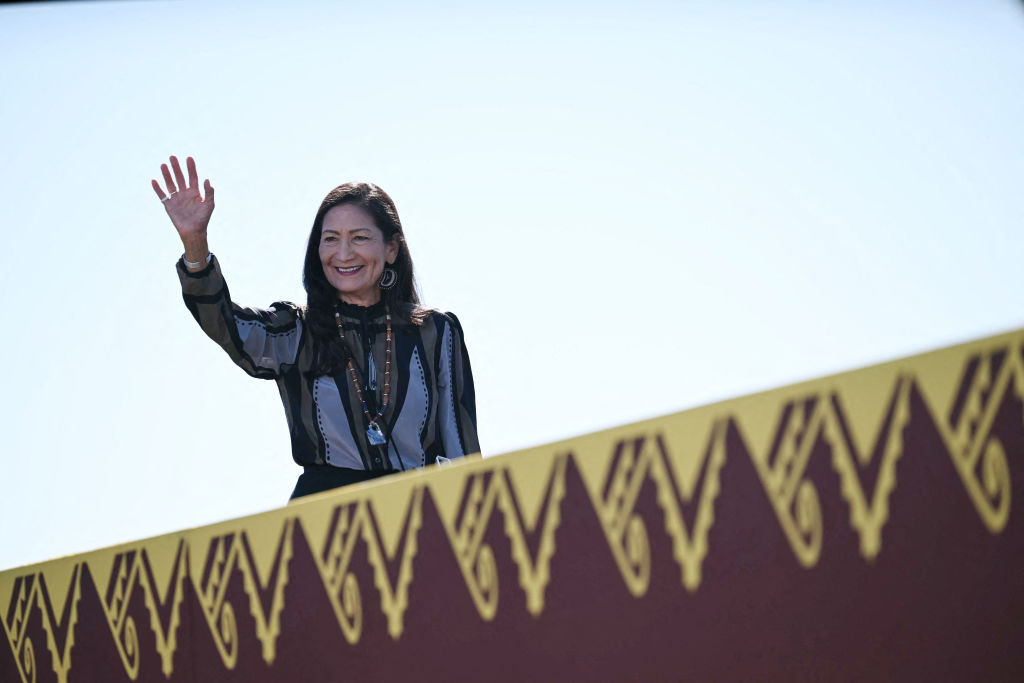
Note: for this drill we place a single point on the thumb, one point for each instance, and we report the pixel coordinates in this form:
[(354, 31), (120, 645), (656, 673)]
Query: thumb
[(208, 190)]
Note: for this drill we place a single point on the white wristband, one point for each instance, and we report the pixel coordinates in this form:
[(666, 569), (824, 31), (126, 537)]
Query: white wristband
[(192, 265)]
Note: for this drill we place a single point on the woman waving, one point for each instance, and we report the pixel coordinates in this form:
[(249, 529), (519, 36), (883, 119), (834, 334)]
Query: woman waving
[(372, 383)]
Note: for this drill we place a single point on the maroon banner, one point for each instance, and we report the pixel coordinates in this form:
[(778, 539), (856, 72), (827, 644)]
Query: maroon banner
[(858, 527)]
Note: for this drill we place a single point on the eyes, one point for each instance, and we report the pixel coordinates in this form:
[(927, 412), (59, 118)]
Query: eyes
[(356, 239)]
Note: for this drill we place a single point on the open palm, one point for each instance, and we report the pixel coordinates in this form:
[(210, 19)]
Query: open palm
[(188, 209)]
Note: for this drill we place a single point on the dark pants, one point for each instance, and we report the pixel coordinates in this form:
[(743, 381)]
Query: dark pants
[(317, 478)]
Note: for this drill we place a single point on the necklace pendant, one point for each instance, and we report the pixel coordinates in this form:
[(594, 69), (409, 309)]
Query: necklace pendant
[(374, 435)]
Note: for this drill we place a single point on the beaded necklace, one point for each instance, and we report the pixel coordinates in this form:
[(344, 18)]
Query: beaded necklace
[(374, 433)]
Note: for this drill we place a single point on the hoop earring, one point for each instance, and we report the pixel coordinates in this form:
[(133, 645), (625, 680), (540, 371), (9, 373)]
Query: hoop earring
[(388, 278)]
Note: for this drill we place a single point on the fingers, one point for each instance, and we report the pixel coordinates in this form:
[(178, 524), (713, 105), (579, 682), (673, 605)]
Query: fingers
[(159, 191), (176, 183), (193, 177), (178, 175), (168, 179)]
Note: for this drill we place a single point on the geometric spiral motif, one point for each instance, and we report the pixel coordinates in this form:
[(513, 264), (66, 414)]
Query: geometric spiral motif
[(333, 563), (131, 569), (30, 592), (485, 493), (615, 494), (230, 553), (963, 389), (966, 426), (356, 521), (782, 472), (800, 427)]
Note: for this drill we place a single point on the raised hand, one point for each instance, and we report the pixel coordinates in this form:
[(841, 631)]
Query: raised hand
[(188, 210)]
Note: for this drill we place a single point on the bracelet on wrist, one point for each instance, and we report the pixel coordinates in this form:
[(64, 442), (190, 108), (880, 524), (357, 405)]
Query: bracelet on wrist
[(193, 265)]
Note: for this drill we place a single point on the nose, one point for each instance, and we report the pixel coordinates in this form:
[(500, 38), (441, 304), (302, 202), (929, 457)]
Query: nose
[(343, 250)]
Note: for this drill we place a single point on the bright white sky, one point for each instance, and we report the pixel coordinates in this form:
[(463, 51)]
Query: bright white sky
[(634, 208)]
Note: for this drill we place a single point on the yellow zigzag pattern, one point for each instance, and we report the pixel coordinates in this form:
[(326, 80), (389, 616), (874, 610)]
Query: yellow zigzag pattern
[(493, 490), (971, 443), (31, 591), (795, 499), (130, 570), (354, 521), (645, 458), (231, 552)]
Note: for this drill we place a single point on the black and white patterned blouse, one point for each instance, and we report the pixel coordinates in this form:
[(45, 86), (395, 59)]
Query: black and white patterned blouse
[(432, 406)]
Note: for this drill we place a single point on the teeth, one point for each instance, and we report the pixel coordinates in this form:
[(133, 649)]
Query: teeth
[(349, 270)]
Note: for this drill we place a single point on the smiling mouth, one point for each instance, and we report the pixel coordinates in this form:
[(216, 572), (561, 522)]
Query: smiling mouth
[(348, 271)]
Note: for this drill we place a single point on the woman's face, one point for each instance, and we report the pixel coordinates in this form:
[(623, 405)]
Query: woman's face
[(353, 253)]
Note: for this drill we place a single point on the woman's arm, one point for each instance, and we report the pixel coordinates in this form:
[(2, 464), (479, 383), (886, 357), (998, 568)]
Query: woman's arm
[(188, 210), (264, 343)]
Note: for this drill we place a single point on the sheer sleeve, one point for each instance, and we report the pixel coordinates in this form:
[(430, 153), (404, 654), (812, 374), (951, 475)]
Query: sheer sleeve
[(264, 343)]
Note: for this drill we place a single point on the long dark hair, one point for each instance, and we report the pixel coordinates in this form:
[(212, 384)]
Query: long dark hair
[(321, 298)]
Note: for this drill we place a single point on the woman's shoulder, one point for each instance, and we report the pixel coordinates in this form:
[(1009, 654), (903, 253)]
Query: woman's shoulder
[(440, 318), (446, 324), (429, 322)]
